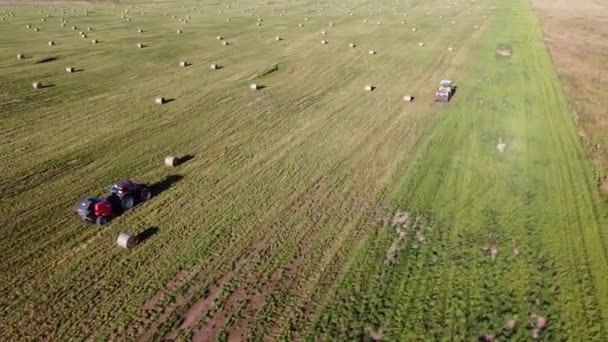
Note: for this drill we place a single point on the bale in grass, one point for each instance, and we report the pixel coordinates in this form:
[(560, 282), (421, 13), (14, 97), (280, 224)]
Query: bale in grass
[(408, 98), (371, 52), (331, 24), (37, 85), (476, 26), (323, 32), (20, 56), (324, 42), (352, 45), (83, 36), (364, 21), (228, 19), (160, 100), (414, 29), (214, 66), (94, 41), (69, 69), (451, 49), (254, 86), (301, 25), (126, 240), (36, 29), (172, 161), (179, 31), (140, 45), (51, 43), (183, 64), (224, 42), (28, 26), (89, 29), (277, 38), (420, 44), (369, 87), (62, 24), (219, 37), (140, 30), (74, 28), (258, 24)]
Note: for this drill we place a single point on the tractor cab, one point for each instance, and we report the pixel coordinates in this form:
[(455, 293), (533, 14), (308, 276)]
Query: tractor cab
[(123, 187), (445, 91)]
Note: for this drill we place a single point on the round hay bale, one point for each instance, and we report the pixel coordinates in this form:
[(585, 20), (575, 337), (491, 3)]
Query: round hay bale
[(172, 161), (179, 31), (323, 32), (83, 36), (140, 45), (371, 52), (408, 98), (36, 29), (126, 240), (364, 21), (369, 87), (258, 24), (51, 43), (331, 24), (28, 26), (224, 42), (301, 25), (160, 100), (37, 85), (183, 64), (69, 69), (43, 19), (74, 28), (414, 29), (451, 49), (324, 42), (253, 86), (421, 44), (510, 325), (228, 19), (214, 66), (94, 41), (277, 38), (20, 56), (89, 29), (62, 24), (140, 30), (476, 26), (378, 23), (352, 45), (219, 37), (453, 22)]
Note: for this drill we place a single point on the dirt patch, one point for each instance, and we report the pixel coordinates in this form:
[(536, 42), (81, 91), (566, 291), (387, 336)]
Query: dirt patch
[(504, 50), (576, 35), (171, 285)]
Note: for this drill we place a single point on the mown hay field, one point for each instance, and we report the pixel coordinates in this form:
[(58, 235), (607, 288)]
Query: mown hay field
[(308, 208)]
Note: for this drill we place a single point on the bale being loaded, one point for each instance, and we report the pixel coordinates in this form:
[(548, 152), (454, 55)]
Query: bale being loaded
[(126, 240)]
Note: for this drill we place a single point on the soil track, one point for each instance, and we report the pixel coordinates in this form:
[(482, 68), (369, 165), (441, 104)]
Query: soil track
[(576, 33)]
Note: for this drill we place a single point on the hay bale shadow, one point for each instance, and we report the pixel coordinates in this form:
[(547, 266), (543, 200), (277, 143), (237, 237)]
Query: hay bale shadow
[(185, 159), (146, 234), (47, 60)]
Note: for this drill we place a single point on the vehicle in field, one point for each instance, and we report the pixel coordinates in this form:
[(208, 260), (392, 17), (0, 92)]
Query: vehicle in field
[(124, 194), (445, 91)]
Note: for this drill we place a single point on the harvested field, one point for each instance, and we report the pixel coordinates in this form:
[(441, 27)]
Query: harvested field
[(308, 209)]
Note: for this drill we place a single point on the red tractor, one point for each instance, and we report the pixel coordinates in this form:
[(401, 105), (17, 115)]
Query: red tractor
[(124, 194)]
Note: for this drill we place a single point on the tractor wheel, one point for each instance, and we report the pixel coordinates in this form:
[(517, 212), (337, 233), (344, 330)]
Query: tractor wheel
[(128, 202), (102, 220), (145, 194)]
